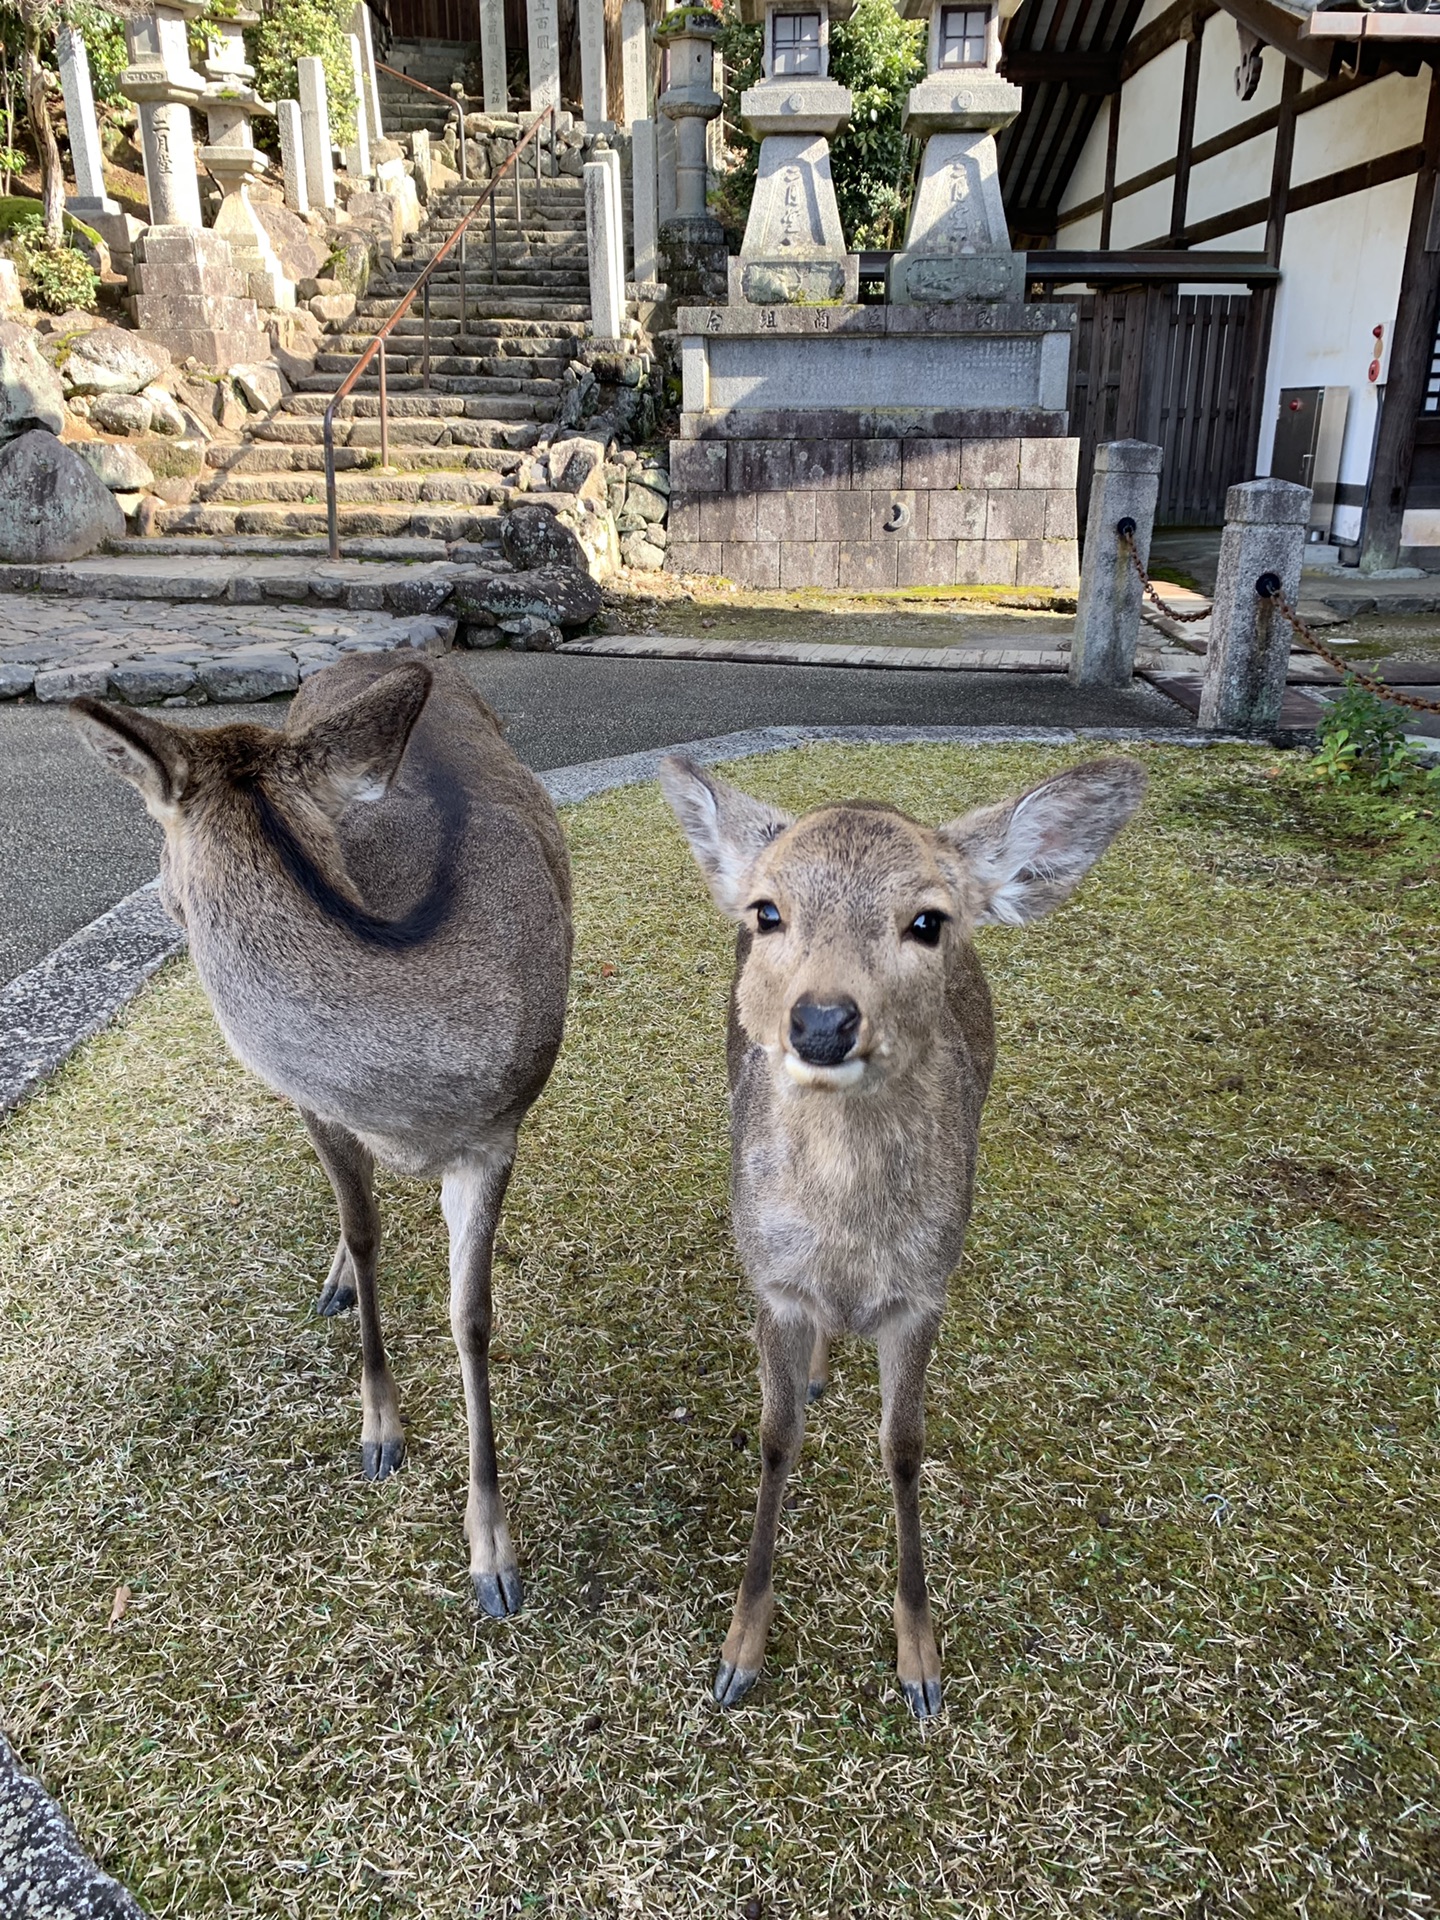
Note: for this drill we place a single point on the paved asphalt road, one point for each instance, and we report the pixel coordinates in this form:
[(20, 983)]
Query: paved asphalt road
[(74, 840)]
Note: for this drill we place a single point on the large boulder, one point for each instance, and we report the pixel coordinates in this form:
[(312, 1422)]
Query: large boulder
[(300, 255), (122, 413), (558, 596), (31, 395), (52, 505), (118, 467), (534, 537), (110, 360)]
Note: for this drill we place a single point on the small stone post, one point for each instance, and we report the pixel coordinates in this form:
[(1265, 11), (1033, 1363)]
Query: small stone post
[(423, 162), (90, 197), (591, 18), (542, 19), (370, 98), (357, 158), (611, 162), (492, 55), (1125, 486), (315, 126), (643, 216), (292, 155), (634, 69), (607, 291), (1265, 522)]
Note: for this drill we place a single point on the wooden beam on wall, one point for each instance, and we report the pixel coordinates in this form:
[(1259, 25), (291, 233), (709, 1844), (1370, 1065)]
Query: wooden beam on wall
[(1411, 346), (1112, 148), (1174, 24), (1185, 137), (1280, 167), (1081, 72)]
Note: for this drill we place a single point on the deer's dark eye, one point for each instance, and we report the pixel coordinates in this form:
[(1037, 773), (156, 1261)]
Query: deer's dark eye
[(767, 916), (925, 927)]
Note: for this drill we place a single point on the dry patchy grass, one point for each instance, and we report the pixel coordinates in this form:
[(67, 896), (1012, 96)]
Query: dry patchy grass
[(1181, 1507)]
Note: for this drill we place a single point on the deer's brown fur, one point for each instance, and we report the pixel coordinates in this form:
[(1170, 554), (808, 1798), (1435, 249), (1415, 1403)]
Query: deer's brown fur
[(860, 1054), (377, 898)]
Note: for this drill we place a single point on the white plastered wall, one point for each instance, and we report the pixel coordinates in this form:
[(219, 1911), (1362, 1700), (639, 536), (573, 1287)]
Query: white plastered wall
[(1341, 261)]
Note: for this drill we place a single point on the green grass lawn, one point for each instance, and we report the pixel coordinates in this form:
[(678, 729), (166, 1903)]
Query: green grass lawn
[(1182, 1506)]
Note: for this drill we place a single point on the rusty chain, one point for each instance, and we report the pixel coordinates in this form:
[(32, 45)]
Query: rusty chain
[(1268, 588)]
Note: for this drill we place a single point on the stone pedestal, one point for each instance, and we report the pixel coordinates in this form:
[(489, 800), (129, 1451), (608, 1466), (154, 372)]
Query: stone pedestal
[(1249, 654), (794, 248), (90, 198), (192, 299), (315, 131), (874, 447), (543, 29), (1125, 486), (492, 56)]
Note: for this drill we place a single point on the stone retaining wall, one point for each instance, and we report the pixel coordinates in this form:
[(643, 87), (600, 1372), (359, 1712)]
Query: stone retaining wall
[(876, 513)]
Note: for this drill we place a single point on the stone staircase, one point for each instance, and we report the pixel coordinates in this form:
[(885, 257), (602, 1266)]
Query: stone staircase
[(456, 444), (436, 63)]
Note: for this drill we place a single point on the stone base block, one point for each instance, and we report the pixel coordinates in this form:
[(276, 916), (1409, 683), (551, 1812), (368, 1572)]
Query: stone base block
[(212, 347), (692, 259), (872, 514), (807, 283), (927, 279)]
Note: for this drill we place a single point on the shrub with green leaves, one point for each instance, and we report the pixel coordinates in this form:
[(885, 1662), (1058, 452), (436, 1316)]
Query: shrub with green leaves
[(1362, 742), (879, 57), (299, 29), (104, 35), (59, 277)]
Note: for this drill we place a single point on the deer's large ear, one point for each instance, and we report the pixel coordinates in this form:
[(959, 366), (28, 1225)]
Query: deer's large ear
[(1025, 856), (355, 752), (147, 753), (726, 829)]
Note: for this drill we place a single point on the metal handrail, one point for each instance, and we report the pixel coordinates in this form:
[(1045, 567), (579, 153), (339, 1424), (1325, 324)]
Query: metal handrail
[(454, 105), (422, 285)]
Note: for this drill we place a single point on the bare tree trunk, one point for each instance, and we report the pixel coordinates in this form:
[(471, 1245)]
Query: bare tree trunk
[(37, 108)]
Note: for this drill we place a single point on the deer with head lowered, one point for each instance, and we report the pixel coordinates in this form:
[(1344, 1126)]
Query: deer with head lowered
[(861, 1045), (377, 899)]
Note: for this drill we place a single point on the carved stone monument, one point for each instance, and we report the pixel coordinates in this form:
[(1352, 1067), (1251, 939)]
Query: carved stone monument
[(634, 61), (542, 19), (957, 245), (691, 241), (492, 56), (591, 17), (164, 86), (794, 249), (90, 198), (235, 163)]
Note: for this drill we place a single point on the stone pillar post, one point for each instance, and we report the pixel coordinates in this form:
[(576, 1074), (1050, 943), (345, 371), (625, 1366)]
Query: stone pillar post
[(542, 20), (634, 42), (692, 241), (492, 55), (292, 155), (357, 158), (1265, 522), (642, 189), (90, 196), (607, 290), (1125, 486), (315, 128), (370, 98), (610, 160), (591, 18), (164, 86), (665, 170), (422, 161)]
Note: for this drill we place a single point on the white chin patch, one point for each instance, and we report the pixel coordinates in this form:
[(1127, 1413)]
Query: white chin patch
[(804, 1075)]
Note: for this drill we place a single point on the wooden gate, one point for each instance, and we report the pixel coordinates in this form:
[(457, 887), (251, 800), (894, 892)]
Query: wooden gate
[(1181, 370)]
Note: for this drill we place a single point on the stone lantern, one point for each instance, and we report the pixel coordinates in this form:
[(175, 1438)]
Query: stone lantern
[(794, 248), (957, 245), (692, 241), (164, 86), (234, 161)]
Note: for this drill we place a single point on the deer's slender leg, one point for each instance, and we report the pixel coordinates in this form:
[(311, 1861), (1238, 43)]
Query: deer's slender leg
[(905, 1347), (471, 1195), (785, 1348), (819, 1366), (338, 1293), (351, 1170)]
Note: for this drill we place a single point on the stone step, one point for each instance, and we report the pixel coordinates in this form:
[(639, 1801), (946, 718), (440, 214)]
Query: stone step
[(488, 406), (282, 457), (433, 405), (384, 518), (468, 355), (506, 376), (432, 431), (533, 304), (355, 489), (489, 332)]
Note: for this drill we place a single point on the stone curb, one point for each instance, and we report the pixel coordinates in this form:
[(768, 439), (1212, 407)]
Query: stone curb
[(44, 1870)]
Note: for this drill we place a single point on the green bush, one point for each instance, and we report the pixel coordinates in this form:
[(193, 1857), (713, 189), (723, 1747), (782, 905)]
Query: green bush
[(59, 277), (104, 35), (302, 28), (879, 57), (1363, 744)]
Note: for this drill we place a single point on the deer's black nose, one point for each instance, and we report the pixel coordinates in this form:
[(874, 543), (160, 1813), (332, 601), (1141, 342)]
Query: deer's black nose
[(823, 1033)]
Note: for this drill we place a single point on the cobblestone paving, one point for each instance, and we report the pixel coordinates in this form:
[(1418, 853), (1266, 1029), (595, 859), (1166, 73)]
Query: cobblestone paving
[(153, 652)]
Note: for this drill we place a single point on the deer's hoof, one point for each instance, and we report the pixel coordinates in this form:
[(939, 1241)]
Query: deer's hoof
[(733, 1683), (334, 1297), (815, 1389), (499, 1594), (922, 1697), (380, 1458)]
